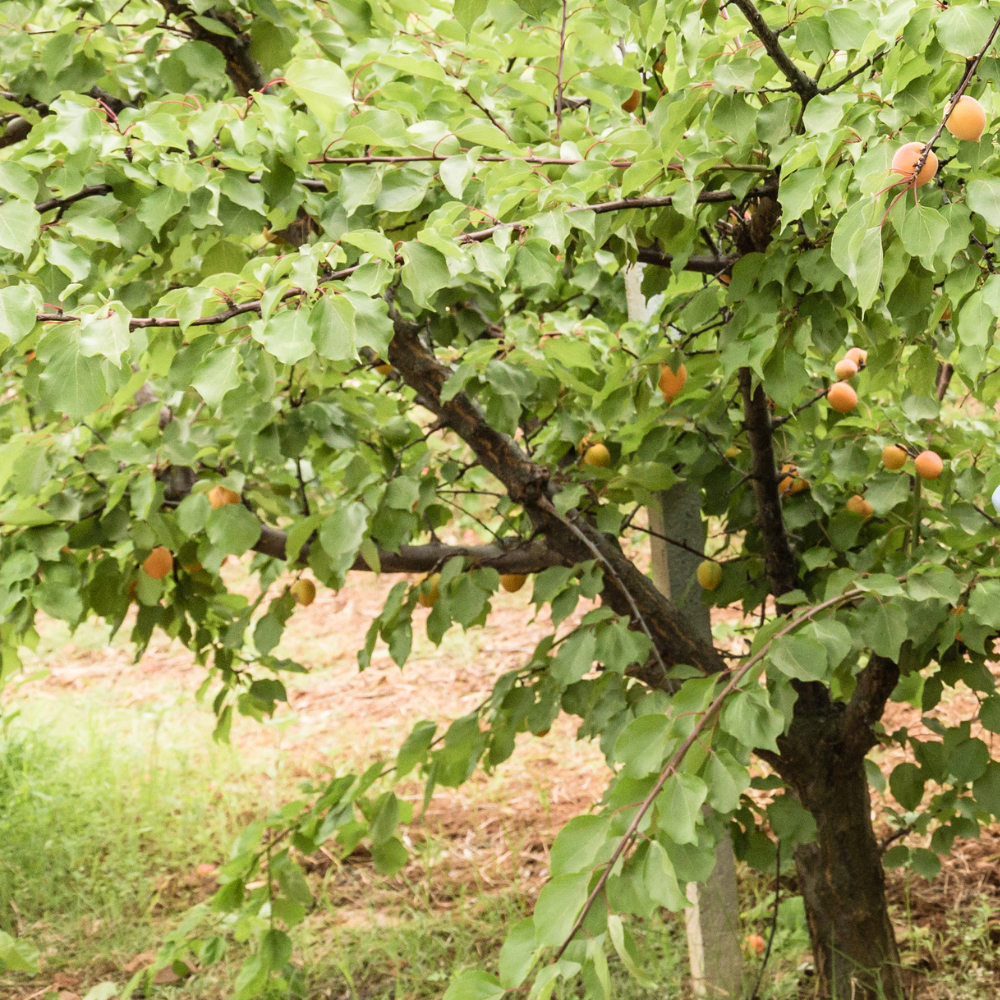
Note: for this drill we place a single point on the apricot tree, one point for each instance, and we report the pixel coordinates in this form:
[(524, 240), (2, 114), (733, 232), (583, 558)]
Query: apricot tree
[(360, 267)]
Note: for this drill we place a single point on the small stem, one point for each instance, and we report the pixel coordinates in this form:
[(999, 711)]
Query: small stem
[(915, 535)]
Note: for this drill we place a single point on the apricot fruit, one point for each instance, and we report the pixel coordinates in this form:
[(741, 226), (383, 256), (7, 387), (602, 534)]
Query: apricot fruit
[(221, 496), (893, 457), (512, 582), (756, 944), (842, 397), (792, 482), (845, 369), (905, 161), (732, 451), (858, 356), (967, 120), (158, 563), (672, 382), (597, 455), (430, 591), (929, 465), (709, 574), (383, 368), (304, 592), (859, 505), (632, 102)]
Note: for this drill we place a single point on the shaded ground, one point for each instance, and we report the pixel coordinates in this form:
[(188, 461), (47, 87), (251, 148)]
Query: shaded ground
[(133, 735)]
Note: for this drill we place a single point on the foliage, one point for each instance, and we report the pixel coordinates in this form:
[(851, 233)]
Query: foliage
[(219, 222)]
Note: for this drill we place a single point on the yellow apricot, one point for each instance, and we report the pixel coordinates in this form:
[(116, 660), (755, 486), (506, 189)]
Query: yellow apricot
[(905, 161), (842, 397), (967, 120)]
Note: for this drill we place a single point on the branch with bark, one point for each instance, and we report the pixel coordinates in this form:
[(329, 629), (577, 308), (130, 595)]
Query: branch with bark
[(234, 44)]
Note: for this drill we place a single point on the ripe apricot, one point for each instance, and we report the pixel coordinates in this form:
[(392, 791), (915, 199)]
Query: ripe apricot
[(304, 592), (842, 397), (905, 161), (221, 496), (430, 591), (597, 455), (632, 102), (967, 120), (672, 382), (845, 368), (893, 457), (158, 563), (709, 574), (512, 582), (859, 505), (756, 944), (858, 356), (929, 465), (383, 368), (792, 482)]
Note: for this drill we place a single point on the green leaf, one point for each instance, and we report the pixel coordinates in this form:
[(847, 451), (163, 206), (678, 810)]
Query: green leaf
[(925, 863), (577, 843), (986, 789), (968, 759), (342, 533), (923, 230), (660, 880), (18, 955), (287, 336), (559, 904), (72, 382), (19, 226), (907, 785), (885, 629), (799, 657), (679, 807), (474, 986), (322, 86), (424, 271), (518, 953), (750, 717), (217, 375), (963, 29), (467, 12), (727, 779), (18, 305), (983, 196), (641, 745), (233, 529)]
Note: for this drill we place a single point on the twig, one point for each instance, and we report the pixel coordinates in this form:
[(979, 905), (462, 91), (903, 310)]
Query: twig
[(559, 69), (673, 541), (547, 506), (970, 73), (678, 757), (799, 409), (992, 520), (854, 72), (774, 920), (486, 112)]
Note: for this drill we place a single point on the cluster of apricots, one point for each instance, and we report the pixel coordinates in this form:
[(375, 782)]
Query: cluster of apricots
[(967, 121), (841, 395)]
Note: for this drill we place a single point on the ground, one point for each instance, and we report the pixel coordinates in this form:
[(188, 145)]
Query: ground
[(116, 806)]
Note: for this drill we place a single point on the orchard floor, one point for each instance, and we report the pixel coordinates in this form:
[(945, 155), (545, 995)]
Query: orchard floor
[(115, 806)]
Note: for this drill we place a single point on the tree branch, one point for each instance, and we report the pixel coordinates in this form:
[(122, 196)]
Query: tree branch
[(700, 264), (779, 564), (875, 684), (801, 83), (241, 67), (627, 591)]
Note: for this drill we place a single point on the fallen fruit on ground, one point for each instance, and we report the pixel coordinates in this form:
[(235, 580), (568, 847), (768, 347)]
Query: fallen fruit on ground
[(904, 162), (632, 102), (709, 574), (929, 465), (671, 382), (597, 454), (967, 120), (859, 505), (304, 592), (842, 397), (221, 496), (512, 582), (430, 591), (845, 369), (893, 457), (158, 563)]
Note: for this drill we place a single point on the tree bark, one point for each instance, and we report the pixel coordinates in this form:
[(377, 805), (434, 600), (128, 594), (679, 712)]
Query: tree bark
[(840, 873)]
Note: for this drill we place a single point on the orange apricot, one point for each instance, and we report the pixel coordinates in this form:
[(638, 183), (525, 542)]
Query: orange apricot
[(967, 120), (842, 397), (893, 457), (221, 496), (672, 382), (158, 563), (905, 161), (845, 369), (858, 356), (929, 465), (631, 103), (857, 504)]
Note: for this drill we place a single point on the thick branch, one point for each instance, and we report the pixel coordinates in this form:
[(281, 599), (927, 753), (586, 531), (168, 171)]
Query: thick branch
[(626, 590), (702, 264), (241, 67), (875, 685), (779, 563), (802, 84)]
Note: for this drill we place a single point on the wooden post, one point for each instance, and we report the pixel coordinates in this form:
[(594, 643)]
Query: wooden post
[(713, 920)]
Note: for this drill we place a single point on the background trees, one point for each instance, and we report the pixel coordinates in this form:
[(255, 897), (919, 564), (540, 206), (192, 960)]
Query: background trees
[(362, 265)]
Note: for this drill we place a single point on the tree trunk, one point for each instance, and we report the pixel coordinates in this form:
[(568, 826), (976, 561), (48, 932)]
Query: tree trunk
[(840, 873)]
